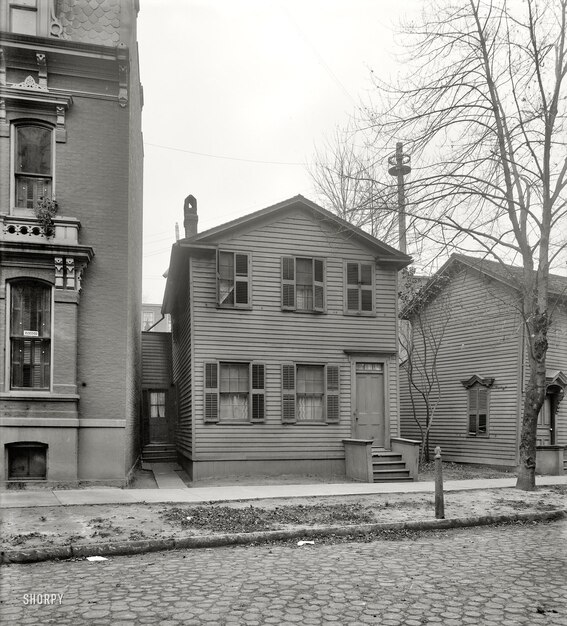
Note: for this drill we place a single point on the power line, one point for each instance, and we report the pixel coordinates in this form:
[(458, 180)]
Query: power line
[(219, 156)]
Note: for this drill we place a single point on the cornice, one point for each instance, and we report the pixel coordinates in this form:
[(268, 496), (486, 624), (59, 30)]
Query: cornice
[(61, 46)]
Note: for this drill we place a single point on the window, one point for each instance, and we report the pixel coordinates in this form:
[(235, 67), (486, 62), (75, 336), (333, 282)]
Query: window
[(303, 284), (33, 166), (23, 17), (157, 403), (234, 392), (359, 288), (233, 279), (478, 411), (147, 319), (310, 393), (30, 335), (27, 461)]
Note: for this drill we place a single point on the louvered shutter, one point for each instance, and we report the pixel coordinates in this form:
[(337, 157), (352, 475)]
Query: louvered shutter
[(473, 407), (258, 392), (352, 287), (288, 283), (482, 411), (318, 285), (366, 289), (333, 412), (241, 280), (211, 392), (288, 393)]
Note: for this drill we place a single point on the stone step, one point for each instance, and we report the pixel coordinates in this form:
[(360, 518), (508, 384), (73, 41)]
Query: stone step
[(390, 474)]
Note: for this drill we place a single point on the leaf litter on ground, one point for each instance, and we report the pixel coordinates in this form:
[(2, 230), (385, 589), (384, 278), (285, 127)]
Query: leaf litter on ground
[(249, 519)]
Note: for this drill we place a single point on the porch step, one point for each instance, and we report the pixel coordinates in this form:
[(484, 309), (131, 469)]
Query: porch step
[(159, 453), (388, 466)]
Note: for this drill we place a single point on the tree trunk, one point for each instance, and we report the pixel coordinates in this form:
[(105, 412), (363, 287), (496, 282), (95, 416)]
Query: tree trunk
[(535, 397)]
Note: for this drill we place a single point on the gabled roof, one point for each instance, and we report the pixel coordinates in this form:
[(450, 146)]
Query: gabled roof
[(297, 202), (209, 239), (510, 275)]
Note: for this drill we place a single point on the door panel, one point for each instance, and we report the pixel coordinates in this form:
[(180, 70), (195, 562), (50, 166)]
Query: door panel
[(370, 413)]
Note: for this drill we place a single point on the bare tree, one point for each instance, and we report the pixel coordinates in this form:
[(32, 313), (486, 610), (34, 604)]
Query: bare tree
[(420, 343), (482, 111), (346, 183)]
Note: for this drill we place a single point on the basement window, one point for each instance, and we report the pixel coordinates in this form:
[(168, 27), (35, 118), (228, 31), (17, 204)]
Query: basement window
[(27, 460)]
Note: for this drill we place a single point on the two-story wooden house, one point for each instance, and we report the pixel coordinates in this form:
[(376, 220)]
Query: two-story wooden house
[(472, 311), (284, 327)]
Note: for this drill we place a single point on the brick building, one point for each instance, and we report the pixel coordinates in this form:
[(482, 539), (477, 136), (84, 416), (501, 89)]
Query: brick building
[(70, 240)]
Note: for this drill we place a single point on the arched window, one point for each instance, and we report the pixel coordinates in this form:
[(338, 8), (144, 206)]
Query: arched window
[(30, 335), (33, 164)]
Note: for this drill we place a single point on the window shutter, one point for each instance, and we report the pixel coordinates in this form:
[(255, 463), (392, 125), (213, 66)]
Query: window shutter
[(366, 289), (482, 411), (211, 392), (258, 392), (318, 285), (472, 410), (288, 283), (352, 287), (241, 279), (333, 412), (288, 393)]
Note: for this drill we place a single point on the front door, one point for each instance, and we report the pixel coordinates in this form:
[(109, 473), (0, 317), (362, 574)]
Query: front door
[(369, 422)]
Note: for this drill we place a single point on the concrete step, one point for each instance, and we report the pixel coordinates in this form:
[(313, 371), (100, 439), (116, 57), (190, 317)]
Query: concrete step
[(390, 474)]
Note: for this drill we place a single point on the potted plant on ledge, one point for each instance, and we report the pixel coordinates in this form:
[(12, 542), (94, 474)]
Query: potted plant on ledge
[(45, 210)]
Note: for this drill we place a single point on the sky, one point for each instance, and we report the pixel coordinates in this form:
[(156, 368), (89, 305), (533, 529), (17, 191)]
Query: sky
[(238, 96)]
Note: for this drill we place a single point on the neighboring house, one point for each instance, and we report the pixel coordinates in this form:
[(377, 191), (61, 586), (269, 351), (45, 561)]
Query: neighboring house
[(70, 282), (152, 319), (482, 365), (284, 326)]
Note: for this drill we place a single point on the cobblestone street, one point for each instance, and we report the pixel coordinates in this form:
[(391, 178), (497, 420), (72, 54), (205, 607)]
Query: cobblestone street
[(493, 575)]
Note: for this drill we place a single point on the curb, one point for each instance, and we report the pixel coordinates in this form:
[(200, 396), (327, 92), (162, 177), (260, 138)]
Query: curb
[(122, 548)]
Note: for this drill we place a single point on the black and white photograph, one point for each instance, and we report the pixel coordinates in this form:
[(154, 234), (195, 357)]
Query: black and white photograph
[(283, 304)]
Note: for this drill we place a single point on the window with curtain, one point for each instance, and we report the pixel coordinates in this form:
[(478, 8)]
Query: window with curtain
[(33, 167), (30, 335)]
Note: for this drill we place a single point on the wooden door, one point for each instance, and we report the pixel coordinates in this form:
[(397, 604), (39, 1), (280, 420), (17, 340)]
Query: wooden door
[(370, 419), (158, 423)]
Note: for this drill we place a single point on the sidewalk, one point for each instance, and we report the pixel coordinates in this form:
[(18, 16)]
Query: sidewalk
[(110, 495)]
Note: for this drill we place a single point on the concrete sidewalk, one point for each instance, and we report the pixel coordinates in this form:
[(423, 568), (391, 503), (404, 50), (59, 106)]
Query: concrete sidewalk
[(109, 495)]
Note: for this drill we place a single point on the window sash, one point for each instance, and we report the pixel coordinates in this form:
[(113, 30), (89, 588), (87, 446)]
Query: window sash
[(33, 164), (303, 284), (233, 279), (30, 335), (478, 411), (359, 287), (157, 404), (310, 393), (234, 392)]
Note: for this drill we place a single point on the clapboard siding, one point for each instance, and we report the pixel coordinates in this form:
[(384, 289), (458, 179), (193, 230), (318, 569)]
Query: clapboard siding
[(271, 336), (156, 360), (182, 370), (483, 337)]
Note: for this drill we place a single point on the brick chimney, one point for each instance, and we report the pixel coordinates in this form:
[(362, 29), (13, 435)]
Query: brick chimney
[(190, 217)]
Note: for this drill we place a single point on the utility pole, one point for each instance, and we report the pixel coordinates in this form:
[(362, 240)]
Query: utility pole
[(399, 167)]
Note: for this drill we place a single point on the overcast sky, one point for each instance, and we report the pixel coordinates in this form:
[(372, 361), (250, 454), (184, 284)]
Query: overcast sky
[(238, 94)]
